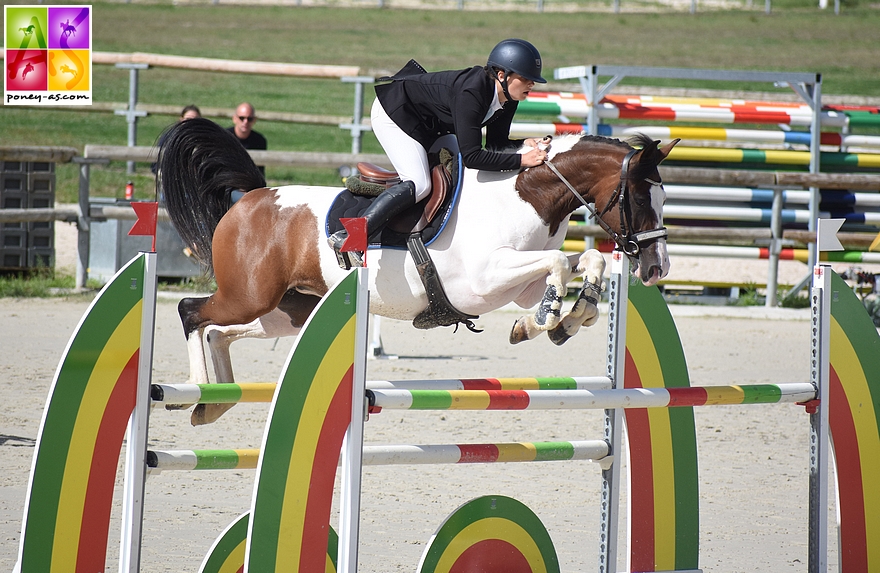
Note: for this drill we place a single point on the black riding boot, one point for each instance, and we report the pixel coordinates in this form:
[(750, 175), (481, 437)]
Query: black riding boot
[(391, 202)]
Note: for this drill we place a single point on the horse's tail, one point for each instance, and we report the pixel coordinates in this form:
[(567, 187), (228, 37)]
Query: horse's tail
[(199, 166)]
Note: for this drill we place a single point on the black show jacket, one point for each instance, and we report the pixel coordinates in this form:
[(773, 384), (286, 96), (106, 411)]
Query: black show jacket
[(429, 105)]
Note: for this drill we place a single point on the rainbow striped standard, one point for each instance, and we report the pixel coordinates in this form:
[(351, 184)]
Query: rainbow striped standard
[(227, 554), (70, 493), (664, 494), (589, 399), (167, 460), (290, 514), (491, 533), (854, 418)]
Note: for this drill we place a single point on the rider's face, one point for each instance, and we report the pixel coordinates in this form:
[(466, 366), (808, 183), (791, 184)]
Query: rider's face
[(518, 86)]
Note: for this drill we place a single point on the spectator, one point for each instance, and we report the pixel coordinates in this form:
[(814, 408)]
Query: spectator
[(243, 128), (188, 112)]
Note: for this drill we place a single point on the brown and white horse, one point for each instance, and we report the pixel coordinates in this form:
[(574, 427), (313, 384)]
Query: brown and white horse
[(501, 243)]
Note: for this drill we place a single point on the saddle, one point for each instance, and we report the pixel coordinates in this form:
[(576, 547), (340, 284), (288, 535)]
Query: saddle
[(415, 227), (372, 179)]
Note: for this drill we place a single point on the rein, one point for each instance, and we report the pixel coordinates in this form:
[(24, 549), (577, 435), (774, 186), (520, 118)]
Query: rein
[(629, 242)]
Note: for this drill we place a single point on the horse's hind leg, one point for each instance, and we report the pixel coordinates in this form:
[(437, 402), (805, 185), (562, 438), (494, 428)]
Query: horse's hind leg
[(286, 320)]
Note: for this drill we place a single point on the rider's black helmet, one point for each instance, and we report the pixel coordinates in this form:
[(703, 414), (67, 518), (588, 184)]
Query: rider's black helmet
[(518, 56)]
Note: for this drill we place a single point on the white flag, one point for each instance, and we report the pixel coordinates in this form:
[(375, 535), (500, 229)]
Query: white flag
[(826, 237)]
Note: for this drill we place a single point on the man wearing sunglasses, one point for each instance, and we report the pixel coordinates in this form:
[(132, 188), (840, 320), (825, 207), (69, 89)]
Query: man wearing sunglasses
[(243, 121)]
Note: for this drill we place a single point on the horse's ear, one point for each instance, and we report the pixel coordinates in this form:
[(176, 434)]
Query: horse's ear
[(664, 151), (650, 148)]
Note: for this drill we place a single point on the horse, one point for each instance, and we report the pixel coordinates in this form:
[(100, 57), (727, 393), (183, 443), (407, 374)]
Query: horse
[(67, 29), (500, 244)]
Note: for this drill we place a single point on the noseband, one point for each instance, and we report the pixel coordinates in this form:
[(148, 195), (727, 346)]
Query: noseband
[(631, 243)]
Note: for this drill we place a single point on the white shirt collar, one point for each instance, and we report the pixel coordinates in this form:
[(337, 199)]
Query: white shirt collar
[(493, 107)]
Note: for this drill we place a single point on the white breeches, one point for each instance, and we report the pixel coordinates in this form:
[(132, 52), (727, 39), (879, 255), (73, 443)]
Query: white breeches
[(407, 155)]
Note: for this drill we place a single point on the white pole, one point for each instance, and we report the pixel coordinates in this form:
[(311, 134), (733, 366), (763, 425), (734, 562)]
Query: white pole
[(616, 359), (352, 447), (138, 425), (819, 450)]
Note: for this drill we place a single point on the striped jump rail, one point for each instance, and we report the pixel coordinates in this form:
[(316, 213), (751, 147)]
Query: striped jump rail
[(590, 450), (773, 157), (733, 110), (764, 215), (609, 111), (765, 136), (829, 198), (179, 394), (589, 399), (729, 252)]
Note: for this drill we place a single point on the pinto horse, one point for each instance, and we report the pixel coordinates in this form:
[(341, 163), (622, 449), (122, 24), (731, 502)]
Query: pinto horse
[(501, 242)]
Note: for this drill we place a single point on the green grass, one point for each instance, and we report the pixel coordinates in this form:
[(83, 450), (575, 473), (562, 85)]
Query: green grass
[(44, 283)]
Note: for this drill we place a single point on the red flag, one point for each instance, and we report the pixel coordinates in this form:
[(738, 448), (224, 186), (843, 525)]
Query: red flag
[(357, 234), (147, 215)]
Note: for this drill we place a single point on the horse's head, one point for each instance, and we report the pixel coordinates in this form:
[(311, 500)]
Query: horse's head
[(633, 209), (623, 183)]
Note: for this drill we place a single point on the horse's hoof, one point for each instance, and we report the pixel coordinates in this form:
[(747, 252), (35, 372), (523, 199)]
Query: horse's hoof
[(518, 332), (558, 336), (208, 413)]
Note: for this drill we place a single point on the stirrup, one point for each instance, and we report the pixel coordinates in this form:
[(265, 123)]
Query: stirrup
[(348, 259)]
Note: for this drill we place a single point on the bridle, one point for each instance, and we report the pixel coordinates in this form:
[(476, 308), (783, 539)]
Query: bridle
[(629, 242)]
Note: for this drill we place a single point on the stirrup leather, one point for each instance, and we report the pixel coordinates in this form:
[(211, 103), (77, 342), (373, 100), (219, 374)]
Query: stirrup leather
[(440, 311)]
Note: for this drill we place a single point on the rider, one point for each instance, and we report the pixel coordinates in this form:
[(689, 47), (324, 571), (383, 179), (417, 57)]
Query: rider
[(417, 108)]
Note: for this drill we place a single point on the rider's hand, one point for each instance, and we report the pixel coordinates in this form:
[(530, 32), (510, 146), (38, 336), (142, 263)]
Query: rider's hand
[(543, 143), (533, 157)]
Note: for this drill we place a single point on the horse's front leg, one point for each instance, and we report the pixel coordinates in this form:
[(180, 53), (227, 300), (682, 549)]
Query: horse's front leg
[(198, 365), (195, 347), (194, 331), (585, 311), (522, 267), (218, 340)]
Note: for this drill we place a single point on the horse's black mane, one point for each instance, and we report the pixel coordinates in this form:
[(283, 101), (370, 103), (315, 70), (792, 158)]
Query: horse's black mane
[(639, 171)]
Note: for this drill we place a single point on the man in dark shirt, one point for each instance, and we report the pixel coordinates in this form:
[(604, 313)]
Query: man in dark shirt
[(243, 121)]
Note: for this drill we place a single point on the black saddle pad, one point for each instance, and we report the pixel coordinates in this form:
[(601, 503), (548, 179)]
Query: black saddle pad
[(397, 231)]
